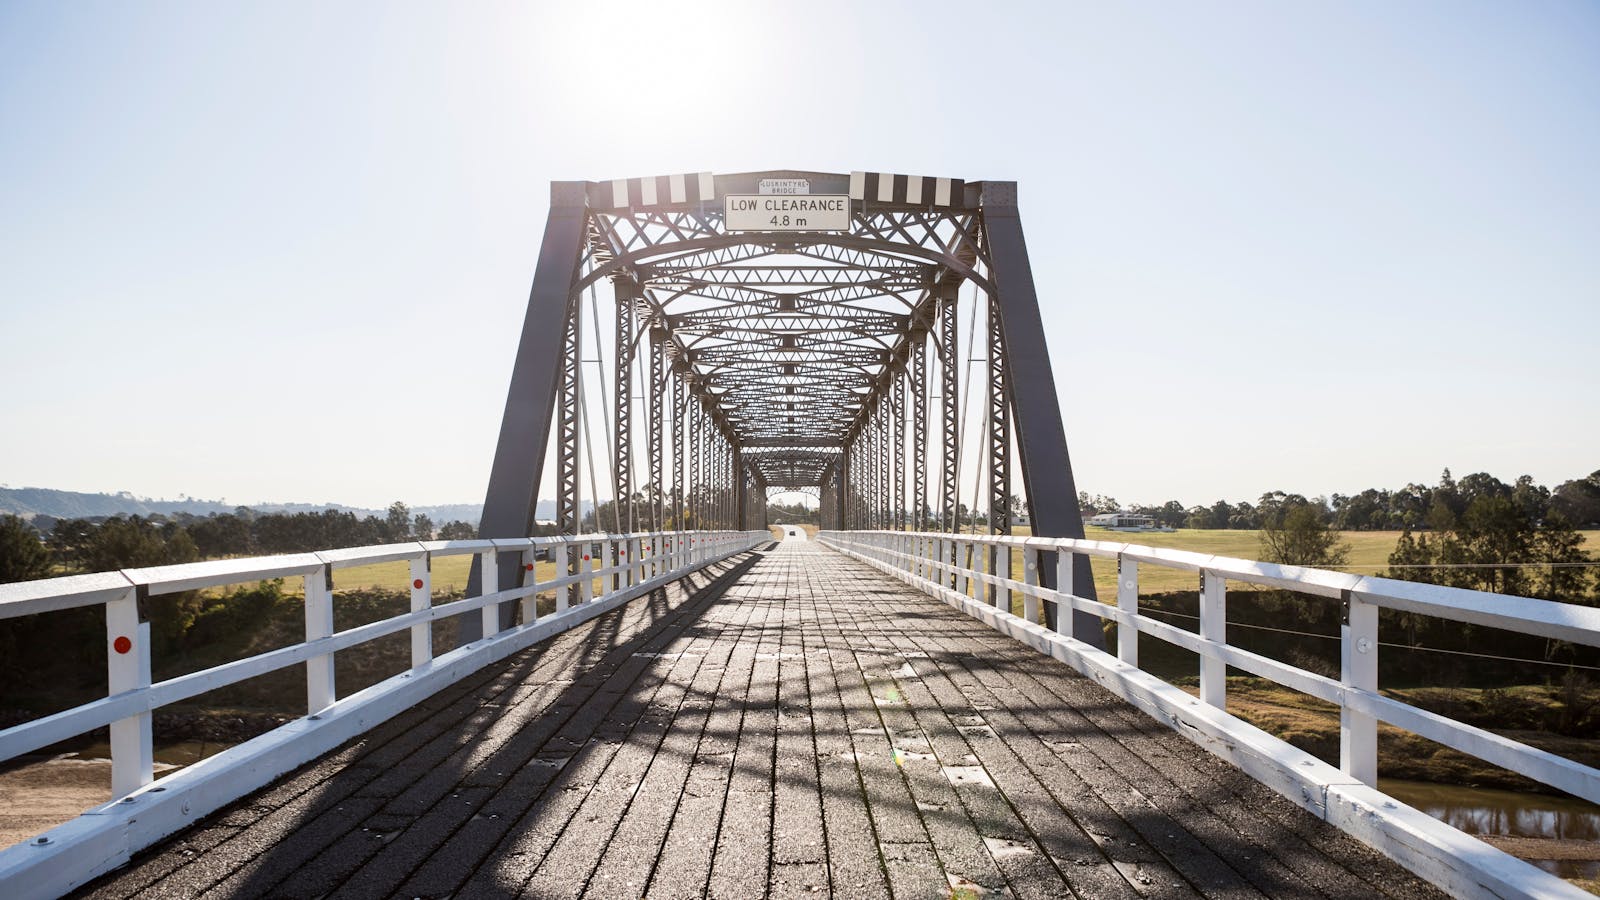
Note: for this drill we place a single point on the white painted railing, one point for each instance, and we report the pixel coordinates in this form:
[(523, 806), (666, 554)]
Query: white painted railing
[(144, 809), (973, 572)]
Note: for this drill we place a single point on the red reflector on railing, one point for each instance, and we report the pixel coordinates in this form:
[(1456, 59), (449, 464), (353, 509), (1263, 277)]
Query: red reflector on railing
[(122, 645)]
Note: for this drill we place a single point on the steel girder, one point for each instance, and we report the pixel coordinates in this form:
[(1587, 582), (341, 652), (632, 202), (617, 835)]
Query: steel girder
[(657, 395), (622, 412), (680, 463), (1041, 438), (949, 388), (919, 438), (999, 432)]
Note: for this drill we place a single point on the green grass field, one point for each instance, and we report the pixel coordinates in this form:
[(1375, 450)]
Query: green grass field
[(449, 576), (1369, 553)]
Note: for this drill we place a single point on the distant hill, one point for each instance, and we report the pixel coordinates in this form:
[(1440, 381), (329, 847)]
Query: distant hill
[(31, 502)]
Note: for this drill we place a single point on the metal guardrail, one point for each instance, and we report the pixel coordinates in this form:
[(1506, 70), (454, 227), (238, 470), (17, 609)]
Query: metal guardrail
[(974, 571), (624, 566)]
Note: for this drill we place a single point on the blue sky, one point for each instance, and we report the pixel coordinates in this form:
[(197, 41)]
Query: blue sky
[(280, 251)]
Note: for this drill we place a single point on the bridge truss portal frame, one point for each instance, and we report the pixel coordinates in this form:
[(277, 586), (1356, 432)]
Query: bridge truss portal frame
[(776, 359)]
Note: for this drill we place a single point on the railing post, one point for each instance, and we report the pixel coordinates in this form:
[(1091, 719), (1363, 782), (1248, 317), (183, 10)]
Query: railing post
[(586, 567), (421, 599), (1213, 627), (612, 555), (530, 577), (1128, 603), (636, 569), (128, 669), (1000, 567), (947, 559), (1358, 669), (983, 562), (563, 569), (1030, 577), (490, 614), (320, 692), (1064, 563), (963, 556)]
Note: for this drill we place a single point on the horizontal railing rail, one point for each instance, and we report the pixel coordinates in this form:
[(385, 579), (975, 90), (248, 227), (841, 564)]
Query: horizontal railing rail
[(622, 565), (975, 571)]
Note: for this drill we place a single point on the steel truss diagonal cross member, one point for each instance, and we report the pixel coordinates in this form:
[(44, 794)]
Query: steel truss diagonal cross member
[(805, 351)]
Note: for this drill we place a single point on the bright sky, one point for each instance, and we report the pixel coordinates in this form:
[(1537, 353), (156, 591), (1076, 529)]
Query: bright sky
[(281, 251)]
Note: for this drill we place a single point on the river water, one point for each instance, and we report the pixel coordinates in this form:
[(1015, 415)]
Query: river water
[(1486, 811)]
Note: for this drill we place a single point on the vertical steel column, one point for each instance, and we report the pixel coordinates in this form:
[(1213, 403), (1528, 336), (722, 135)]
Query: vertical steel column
[(869, 471), (842, 490), (999, 427), (884, 462), (680, 464), (875, 473), (708, 450), (623, 408), (658, 390), (898, 499), (741, 500), (568, 515), (546, 361), (845, 465), (919, 435), (694, 462), (879, 460), (725, 476), (949, 356), (1046, 467), (708, 460)]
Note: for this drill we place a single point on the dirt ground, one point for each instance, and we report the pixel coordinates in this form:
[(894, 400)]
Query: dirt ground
[(38, 796)]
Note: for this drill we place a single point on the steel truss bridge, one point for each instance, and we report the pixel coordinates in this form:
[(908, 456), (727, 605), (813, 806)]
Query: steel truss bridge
[(660, 700), (827, 362)]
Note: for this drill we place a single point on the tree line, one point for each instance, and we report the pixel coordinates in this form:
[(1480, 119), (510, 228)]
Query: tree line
[(121, 542), (1479, 533), (1415, 506)]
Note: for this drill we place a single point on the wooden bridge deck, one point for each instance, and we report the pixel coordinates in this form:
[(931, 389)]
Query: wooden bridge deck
[(789, 723)]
